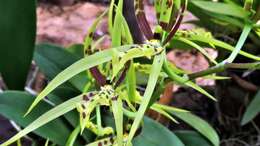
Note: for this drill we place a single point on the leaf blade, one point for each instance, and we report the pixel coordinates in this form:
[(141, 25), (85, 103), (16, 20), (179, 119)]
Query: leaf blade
[(16, 41), (222, 8), (155, 134), (200, 125), (252, 110), (155, 71), (74, 69), (45, 118)]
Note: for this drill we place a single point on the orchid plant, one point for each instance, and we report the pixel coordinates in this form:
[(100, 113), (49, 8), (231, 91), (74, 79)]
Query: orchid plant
[(114, 89)]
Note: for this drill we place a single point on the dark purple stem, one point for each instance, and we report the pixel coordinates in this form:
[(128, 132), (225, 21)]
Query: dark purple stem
[(123, 74), (176, 25), (99, 77), (129, 14), (142, 21)]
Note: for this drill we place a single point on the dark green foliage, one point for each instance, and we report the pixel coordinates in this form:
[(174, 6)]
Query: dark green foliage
[(17, 29), (13, 105)]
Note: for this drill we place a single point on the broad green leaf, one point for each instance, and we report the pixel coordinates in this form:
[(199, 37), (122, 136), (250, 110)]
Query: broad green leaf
[(228, 19), (18, 30), (155, 134), (155, 72), (192, 138), (222, 8), (252, 110), (76, 49), (13, 105), (212, 20), (200, 125), (52, 59), (46, 117), (76, 68)]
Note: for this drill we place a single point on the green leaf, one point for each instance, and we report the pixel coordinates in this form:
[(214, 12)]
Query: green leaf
[(168, 108), (166, 14), (221, 45), (155, 134), (47, 117), (52, 59), (117, 29), (73, 136), (89, 37), (76, 49), (199, 89), (110, 16), (126, 34), (72, 116), (183, 81), (47, 142), (222, 8), (210, 20), (192, 138), (246, 30), (13, 105), (200, 125), (117, 108), (76, 68), (155, 72), (162, 112), (200, 49), (18, 30), (252, 110), (131, 82)]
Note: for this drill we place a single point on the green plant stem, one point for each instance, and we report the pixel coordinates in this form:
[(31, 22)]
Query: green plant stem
[(168, 69), (221, 68), (73, 136), (19, 142), (47, 142), (129, 114)]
